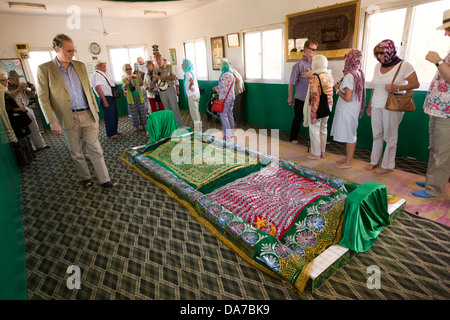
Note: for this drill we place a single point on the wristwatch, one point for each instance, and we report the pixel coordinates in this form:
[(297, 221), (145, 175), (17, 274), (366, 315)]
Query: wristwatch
[(439, 63)]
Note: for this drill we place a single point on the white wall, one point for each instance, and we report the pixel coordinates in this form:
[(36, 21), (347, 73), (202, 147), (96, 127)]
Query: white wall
[(39, 31), (216, 19), (230, 16)]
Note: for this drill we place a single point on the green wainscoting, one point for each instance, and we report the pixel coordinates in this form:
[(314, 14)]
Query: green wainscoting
[(13, 283), (266, 105)]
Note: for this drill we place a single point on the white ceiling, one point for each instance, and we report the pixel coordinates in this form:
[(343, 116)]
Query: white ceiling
[(110, 8)]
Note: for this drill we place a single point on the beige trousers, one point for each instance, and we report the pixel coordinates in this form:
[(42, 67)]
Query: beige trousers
[(85, 131), (438, 170), (193, 102)]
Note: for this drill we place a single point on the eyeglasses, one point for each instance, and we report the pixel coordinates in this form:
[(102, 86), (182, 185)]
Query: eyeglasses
[(379, 52), (70, 51), (315, 50), (128, 69)]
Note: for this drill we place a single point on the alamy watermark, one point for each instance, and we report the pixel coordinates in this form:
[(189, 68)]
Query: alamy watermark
[(374, 280), (74, 19), (74, 280), (186, 152)]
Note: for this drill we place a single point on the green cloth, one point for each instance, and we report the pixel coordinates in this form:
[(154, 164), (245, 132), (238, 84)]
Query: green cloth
[(13, 277), (130, 94), (161, 124), (365, 214), (202, 165)]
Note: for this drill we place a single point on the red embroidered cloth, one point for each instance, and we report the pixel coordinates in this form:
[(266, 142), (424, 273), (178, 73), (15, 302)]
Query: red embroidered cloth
[(271, 202)]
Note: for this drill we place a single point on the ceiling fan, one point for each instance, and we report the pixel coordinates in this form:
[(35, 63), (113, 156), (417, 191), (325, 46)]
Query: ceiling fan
[(103, 32)]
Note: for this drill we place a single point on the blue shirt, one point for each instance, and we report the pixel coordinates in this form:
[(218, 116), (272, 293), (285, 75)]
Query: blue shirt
[(301, 84), (77, 97)]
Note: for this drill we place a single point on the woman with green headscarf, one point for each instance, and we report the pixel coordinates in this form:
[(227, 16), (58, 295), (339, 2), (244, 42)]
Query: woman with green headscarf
[(191, 92), (226, 86)]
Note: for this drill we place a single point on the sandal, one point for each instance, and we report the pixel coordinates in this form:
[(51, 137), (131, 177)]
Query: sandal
[(87, 183)]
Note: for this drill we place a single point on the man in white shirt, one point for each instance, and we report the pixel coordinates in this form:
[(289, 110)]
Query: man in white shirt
[(102, 85)]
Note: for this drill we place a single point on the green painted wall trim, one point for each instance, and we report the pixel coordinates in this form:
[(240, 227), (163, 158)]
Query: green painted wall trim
[(265, 105), (13, 283)]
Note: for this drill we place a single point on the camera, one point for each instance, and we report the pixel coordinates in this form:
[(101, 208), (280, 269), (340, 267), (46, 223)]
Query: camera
[(159, 73)]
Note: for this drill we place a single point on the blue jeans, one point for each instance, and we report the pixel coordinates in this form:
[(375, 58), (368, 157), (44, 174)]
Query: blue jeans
[(111, 116)]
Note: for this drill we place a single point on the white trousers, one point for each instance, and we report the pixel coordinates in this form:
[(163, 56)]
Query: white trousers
[(318, 136), (385, 125), (36, 137)]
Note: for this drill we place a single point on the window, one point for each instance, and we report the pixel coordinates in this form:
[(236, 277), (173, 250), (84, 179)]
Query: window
[(413, 29), (38, 57), (195, 51), (263, 54), (121, 55)]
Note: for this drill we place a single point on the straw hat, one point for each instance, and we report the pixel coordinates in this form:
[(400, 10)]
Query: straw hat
[(445, 21)]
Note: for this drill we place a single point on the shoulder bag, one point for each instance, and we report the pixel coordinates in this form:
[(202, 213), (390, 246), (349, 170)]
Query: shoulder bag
[(114, 90), (398, 101), (323, 110), (218, 105)]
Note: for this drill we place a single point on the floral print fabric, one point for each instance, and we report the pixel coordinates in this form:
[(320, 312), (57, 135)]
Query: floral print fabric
[(437, 102), (327, 85)]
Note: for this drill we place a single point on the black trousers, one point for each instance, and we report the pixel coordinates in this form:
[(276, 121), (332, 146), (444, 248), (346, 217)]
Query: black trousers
[(297, 121)]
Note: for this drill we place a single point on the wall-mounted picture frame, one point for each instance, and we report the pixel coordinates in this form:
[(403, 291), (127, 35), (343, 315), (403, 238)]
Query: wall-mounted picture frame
[(233, 40), (172, 56), (217, 51), (7, 65), (334, 27)]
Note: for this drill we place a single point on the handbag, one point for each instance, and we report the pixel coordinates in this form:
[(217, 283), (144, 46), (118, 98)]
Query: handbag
[(114, 90), (323, 110), (218, 105), (398, 101), (19, 119)]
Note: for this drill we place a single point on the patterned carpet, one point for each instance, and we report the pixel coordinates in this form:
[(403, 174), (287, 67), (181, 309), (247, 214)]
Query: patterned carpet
[(135, 242)]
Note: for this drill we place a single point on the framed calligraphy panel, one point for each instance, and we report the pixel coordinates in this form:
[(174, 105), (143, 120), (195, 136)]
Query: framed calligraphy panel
[(335, 28)]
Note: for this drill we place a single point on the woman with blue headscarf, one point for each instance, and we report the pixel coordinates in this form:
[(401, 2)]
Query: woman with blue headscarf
[(226, 86), (192, 92)]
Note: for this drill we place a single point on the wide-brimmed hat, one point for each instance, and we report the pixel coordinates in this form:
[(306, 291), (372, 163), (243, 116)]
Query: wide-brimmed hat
[(445, 20), (12, 74)]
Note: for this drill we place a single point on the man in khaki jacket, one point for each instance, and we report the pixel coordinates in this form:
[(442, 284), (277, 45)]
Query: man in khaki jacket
[(70, 107)]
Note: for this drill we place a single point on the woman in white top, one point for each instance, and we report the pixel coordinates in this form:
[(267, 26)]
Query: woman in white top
[(350, 106), (385, 123), (192, 92)]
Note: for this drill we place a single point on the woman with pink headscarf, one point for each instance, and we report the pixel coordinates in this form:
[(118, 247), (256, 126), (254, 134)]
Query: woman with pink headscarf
[(385, 122), (350, 106)]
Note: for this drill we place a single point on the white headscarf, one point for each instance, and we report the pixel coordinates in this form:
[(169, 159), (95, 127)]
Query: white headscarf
[(319, 64)]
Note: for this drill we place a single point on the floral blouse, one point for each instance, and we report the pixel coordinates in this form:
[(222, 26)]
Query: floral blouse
[(226, 80), (437, 102), (314, 91)]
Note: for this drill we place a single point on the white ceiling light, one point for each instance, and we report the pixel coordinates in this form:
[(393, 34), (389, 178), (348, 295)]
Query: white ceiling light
[(154, 12), (27, 5)]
